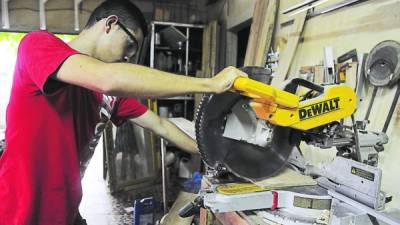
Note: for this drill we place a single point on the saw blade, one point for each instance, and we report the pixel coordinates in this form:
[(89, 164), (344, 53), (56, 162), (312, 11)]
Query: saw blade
[(245, 160)]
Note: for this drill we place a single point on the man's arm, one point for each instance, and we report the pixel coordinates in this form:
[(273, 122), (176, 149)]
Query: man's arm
[(164, 128), (124, 79)]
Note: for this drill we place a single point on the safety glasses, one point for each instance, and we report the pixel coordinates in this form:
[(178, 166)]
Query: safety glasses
[(132, 45)]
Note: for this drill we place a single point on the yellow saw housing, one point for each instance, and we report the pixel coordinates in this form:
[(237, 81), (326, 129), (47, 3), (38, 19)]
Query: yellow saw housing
[(283, 108)]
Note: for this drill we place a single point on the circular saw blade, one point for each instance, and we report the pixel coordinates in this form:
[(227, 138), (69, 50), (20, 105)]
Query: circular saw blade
[(245, 160)]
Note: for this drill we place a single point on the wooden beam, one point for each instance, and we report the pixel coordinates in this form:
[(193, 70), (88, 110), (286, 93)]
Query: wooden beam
[(252, 42), (261, 32), (214, 47), (266, 34), (231, 50), (287, 55), (209, 54)]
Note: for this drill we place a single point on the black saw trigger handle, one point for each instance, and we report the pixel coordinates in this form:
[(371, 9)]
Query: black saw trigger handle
[(191, 208), (296, 82)]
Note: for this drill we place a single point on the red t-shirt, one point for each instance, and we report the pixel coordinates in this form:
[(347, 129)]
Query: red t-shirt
[(52, 129)]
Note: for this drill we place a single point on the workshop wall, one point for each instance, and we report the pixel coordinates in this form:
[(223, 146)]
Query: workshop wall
[(361, 26), (238, 11), (232, 16)]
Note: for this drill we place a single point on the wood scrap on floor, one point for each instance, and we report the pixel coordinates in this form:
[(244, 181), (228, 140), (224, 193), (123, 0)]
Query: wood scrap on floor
[(173, 218), (261, 32)]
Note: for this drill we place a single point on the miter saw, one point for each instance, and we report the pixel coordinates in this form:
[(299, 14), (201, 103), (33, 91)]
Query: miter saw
[(254, 132)]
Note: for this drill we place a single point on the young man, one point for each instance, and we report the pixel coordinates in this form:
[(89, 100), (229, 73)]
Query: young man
[(61, 97)]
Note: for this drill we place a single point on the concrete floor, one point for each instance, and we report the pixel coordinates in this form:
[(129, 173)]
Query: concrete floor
[(98, 207)]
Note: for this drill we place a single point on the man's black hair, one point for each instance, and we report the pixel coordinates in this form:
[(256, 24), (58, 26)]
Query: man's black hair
[(128, 14)]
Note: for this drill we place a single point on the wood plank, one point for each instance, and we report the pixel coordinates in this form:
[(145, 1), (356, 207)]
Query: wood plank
[(288, 53), (214, 47), (172, 218), (266, 34), (210, 46), (261, 32), (255, 27), (231, 53), (206, 217), (206, 50), (231, 218), (286, 178), (209, 54)]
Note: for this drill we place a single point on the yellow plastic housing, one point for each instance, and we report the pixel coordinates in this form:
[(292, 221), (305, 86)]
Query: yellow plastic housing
[(285, 109), (261, 91)]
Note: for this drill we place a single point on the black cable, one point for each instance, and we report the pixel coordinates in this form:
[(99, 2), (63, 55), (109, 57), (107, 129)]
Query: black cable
[(392, 108)]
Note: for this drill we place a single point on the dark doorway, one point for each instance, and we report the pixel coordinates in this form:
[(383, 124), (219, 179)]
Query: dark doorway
[(243, 38)]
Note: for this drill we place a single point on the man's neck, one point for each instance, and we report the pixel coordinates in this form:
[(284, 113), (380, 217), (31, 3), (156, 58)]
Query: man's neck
[(85, 42)]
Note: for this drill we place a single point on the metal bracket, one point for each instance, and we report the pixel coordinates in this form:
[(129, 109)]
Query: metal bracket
[(76, 14), (5, 20)]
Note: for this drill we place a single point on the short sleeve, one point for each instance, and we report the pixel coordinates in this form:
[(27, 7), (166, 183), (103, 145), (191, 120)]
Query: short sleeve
[(41, 54), (127, 108)]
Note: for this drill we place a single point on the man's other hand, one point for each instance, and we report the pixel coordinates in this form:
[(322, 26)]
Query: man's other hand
[(224, 80)]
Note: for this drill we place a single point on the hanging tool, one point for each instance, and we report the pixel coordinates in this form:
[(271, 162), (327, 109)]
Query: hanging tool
[(350, 55), (344, 63), (382, 68)]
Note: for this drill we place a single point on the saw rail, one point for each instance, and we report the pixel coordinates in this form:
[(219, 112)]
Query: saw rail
[(284, 108)]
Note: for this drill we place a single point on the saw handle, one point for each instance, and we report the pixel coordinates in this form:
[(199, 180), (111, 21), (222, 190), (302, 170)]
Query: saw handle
[(258, 90), (296, 82)]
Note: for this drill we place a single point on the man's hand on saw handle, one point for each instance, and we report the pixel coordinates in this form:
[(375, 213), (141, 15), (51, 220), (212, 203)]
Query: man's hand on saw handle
[(224, 80)]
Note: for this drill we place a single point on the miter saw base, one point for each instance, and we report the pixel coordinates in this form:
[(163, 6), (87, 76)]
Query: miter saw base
[(347, 193)]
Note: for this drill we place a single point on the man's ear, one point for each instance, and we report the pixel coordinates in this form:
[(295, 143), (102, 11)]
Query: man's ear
[(111, 21)]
